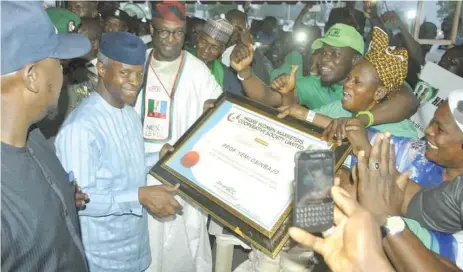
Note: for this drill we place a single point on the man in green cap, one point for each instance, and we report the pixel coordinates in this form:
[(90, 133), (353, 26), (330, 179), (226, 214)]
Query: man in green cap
[(64, 20), (340, 48)]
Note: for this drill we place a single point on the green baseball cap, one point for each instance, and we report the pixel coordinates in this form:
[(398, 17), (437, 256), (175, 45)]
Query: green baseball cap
[(64, 20), (341, 35)]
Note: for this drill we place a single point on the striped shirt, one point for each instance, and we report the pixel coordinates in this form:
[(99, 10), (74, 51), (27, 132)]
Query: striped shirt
[(40, 231), (103, 146)]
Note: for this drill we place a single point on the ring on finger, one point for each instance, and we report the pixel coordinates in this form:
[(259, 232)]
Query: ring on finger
[(373, 166)]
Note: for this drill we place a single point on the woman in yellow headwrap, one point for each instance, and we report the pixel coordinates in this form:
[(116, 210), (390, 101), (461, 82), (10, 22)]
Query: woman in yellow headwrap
[(381, 72)]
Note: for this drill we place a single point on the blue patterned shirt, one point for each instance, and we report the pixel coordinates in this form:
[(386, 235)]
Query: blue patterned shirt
[(103, 147)]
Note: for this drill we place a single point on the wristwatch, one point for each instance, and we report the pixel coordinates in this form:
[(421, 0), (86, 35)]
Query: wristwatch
[(393, 226)]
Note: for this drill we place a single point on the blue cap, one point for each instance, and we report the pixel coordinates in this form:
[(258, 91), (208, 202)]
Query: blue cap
[(123, 47), (29, 36)]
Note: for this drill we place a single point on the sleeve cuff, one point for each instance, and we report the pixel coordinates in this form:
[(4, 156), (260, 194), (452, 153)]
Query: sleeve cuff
[(128, 202)]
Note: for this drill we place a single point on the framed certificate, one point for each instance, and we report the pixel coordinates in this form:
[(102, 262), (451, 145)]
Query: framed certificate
[(237, 163)]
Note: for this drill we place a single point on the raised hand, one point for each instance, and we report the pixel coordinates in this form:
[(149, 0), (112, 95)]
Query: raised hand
[(285, 83), (243, 53), (381, 188), (241, 57), (355, 244), (393, 18)]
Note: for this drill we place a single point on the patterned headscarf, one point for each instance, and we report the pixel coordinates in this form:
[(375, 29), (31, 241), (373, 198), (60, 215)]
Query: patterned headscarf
[(220, 30), (391, 64), (169, 10)]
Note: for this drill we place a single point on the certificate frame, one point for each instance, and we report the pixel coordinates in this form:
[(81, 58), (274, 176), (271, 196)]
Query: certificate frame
[(268, 241)]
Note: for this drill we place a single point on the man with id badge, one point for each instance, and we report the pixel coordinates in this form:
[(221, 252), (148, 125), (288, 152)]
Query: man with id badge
[(177, 85), (101, 145)]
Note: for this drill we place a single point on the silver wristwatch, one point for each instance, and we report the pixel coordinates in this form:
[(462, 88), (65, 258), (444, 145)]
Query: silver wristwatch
[(393, 226)]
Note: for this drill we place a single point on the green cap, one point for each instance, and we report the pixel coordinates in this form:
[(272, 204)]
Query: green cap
[(64, 20), (341, 35)]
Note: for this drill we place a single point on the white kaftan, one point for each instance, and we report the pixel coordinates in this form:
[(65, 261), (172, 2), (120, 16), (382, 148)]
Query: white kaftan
[(179, 244)]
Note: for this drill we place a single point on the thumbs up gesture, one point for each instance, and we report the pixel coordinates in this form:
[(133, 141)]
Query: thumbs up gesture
[(243, 54), (285, 83)]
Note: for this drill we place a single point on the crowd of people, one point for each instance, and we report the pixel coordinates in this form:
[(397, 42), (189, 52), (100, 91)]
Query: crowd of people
[(88, 107)]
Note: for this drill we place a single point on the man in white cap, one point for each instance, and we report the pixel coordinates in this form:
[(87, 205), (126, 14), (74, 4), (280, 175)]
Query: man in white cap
[(210, 45)]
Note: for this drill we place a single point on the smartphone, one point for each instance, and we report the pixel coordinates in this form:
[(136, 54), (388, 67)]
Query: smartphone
[(314, 177)]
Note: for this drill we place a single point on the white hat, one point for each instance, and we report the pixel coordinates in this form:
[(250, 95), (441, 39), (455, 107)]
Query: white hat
[(220, 30), (456, 107)]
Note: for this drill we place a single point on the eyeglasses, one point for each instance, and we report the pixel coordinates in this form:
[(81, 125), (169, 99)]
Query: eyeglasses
[(164, 33)]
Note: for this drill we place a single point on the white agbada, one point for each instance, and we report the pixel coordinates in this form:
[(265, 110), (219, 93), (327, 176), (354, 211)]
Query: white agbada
[(180, 244)]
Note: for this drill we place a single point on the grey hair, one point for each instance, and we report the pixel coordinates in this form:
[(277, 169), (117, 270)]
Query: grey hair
[(103, 59)]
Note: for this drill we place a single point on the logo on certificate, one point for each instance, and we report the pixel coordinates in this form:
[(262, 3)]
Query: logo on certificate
[(157, 109), (232, 117)]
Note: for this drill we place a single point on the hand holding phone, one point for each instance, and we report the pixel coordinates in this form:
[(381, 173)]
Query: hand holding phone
[(313, 205)]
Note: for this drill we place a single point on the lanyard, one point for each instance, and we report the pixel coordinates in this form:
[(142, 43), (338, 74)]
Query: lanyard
[(172, 91)]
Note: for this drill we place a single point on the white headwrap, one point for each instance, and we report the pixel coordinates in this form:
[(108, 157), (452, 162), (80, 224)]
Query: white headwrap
[(456, 107)]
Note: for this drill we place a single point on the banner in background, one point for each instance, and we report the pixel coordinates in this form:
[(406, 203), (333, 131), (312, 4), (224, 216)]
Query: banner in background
[(432, 89)]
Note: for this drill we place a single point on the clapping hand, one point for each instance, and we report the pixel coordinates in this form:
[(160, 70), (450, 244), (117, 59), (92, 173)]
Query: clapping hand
[(381, 188)]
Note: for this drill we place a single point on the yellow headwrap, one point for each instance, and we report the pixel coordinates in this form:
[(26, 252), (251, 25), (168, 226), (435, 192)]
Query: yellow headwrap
[(391, 64)]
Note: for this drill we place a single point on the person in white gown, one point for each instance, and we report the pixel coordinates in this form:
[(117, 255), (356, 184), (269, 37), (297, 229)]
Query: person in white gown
[(177, 86)]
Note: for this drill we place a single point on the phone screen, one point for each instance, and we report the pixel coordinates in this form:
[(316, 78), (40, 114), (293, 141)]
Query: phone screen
[(315, 174)]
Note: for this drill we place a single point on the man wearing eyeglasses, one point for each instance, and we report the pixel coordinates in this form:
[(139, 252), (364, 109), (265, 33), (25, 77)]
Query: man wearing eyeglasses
[(176, 86)]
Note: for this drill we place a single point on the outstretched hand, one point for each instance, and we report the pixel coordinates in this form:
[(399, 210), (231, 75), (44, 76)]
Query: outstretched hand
[(337, 129), (297, 111)]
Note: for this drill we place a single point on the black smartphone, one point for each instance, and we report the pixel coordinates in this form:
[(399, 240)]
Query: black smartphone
[(314, 176)]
